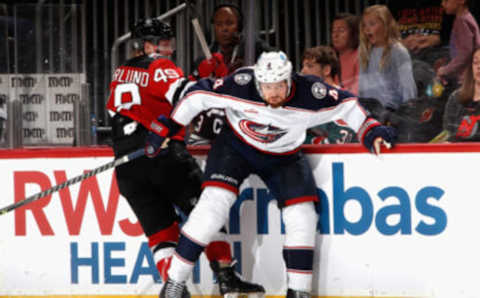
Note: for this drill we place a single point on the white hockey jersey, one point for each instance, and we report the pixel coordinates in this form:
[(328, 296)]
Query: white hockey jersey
[(278, 130)]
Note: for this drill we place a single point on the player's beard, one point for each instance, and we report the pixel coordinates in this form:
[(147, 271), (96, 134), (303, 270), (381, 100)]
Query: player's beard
[(276, 101)]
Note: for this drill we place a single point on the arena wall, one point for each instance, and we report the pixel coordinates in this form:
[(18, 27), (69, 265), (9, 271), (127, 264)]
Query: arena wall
[(400, 225)]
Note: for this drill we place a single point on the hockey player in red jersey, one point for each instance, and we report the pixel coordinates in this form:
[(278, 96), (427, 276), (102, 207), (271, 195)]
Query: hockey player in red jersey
[(142, 92), (268, 110)]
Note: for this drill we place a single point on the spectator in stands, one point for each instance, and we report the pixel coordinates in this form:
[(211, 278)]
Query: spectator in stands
[(462, 111), (345, 41), (385, 64), (227, 21), (228, 49), (465, 37), (322, 61), (424, 28)]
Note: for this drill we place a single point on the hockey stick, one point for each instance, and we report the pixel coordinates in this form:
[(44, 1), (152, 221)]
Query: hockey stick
[(199, 33), (112, 164), (201, 38), (441, 137)]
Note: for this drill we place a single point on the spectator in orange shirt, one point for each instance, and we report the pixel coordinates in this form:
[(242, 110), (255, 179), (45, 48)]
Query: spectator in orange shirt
[(345, 41)]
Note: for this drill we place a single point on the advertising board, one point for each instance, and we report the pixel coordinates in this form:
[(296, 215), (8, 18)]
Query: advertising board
[(399, 225)]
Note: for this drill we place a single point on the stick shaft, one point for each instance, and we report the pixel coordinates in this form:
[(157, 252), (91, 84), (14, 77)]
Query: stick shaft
[(112, 164), (201, 38)]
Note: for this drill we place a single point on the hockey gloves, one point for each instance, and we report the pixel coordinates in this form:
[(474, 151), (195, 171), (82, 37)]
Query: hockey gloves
[(213, 67), (378, 136), (157, 139)]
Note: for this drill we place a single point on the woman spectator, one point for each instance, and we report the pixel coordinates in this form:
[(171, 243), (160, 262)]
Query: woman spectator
[(462, 112), (345, 42), (228, 53), (385, 64), (229, 41)]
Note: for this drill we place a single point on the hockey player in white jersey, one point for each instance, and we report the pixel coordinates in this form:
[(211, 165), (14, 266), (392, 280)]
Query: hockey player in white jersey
[(268, 110)]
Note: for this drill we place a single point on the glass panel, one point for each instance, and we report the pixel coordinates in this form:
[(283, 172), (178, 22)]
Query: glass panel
[(46, 76), (5, 21)]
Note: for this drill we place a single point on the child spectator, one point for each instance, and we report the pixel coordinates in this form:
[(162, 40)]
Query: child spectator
[(385, 64), (322, 62), (465, 37), (462, 112), (345, 42)]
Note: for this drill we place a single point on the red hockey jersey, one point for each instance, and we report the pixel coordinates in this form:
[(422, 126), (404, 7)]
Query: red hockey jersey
[(143, 88)]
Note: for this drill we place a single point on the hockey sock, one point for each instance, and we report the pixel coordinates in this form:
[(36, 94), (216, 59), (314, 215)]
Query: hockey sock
[(219, 249), (206, 219), (209, 215), (299, 263), (300, 233), (186, 254), (163, 265), (162, 244)]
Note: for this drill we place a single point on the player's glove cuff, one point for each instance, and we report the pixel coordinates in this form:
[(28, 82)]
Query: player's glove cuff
[(387, 133), (155, 145), (157, 138), (366, 127), (165, 127)]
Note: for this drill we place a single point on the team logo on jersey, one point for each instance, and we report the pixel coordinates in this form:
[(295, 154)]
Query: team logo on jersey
[(242, 78), (319, 90), (261, 132)]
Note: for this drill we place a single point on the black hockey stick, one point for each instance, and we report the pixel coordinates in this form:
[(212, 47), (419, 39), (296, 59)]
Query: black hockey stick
[(112, 164)]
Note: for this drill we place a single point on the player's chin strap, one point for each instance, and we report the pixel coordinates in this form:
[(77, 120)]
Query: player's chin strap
[(115, 163)]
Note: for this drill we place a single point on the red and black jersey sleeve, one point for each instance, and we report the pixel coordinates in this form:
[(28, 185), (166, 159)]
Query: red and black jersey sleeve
[(139, 90)]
